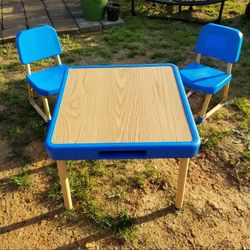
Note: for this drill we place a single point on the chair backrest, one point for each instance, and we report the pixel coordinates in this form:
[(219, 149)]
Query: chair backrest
[(220, 42), (37, 44)]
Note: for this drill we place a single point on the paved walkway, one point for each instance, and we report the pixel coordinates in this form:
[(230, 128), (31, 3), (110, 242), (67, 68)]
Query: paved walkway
[(65, 15)]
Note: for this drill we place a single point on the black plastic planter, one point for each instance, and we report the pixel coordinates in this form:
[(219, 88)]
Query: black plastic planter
[(113, 11)]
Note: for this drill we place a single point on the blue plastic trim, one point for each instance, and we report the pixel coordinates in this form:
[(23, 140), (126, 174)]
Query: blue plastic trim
[(220, 42), (199, 120), (37, 43), (124, 150)]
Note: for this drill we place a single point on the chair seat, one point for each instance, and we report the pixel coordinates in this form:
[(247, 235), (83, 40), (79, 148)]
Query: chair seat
[(48, 81), (203, 78)]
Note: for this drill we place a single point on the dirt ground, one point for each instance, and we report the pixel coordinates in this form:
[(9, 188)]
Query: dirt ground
[(216, 213)]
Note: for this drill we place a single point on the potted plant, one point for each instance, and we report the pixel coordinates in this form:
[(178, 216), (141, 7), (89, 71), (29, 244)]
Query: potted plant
[(93, 10), (113, 10)]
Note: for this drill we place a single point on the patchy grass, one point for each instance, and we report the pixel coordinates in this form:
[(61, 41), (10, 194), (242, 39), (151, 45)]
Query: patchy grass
[(240, 169), (205, 13), (211, 137), (137, 181), (89, 192), (243, 107), (54, 191), (86, 180), (22, 180)]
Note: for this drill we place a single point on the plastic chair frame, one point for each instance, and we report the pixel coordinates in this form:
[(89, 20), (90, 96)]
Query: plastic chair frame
[(45, 115), (203, 114)]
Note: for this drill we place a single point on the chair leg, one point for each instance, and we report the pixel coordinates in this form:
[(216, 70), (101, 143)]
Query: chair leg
[(189, 93), (46, 107), (202, 114), (225, 92), (219, 105), (222, 103), (35, 106)]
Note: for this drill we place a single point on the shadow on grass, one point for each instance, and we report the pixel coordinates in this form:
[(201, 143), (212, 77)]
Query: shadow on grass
[(20, 124), (107, 233), (176, 13), (6, 186), (95, 237)]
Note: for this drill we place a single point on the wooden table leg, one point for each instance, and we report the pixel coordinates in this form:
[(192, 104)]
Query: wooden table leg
[(62, 171), (183, 169)]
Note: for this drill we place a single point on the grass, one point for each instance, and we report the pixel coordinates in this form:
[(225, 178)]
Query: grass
[(141, 179), (83, 189), (210, 138), (22, 180), (101, 189), (137, 181), (243, 106), (54, 192), (240, 169), (89, 193)]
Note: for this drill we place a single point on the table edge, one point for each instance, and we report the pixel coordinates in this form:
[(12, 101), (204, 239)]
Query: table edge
[(153, 149)]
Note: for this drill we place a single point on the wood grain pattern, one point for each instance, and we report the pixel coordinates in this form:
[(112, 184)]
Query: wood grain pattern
[(139, 104)]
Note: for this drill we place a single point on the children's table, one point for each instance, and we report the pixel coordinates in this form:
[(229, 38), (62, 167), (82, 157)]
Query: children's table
[(122, 112)]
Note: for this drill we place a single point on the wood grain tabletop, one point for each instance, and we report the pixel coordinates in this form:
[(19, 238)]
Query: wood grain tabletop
[(123, 104)]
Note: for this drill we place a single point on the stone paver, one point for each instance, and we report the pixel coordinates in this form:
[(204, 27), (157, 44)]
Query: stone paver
[(107, 24), (87, 26), (64, 15), (35, 21), (9, 35)]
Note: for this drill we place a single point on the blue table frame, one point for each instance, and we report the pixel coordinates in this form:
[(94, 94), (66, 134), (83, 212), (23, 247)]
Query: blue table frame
[(123, 150)]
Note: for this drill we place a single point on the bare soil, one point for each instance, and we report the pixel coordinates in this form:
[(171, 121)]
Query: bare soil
[(216, 213)]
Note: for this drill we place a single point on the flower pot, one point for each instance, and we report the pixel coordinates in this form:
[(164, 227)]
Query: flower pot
[(113, 11), (93, 10)]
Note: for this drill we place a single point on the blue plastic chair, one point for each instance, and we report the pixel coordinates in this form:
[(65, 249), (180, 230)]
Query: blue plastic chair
[(220, 42), (37, 44)]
